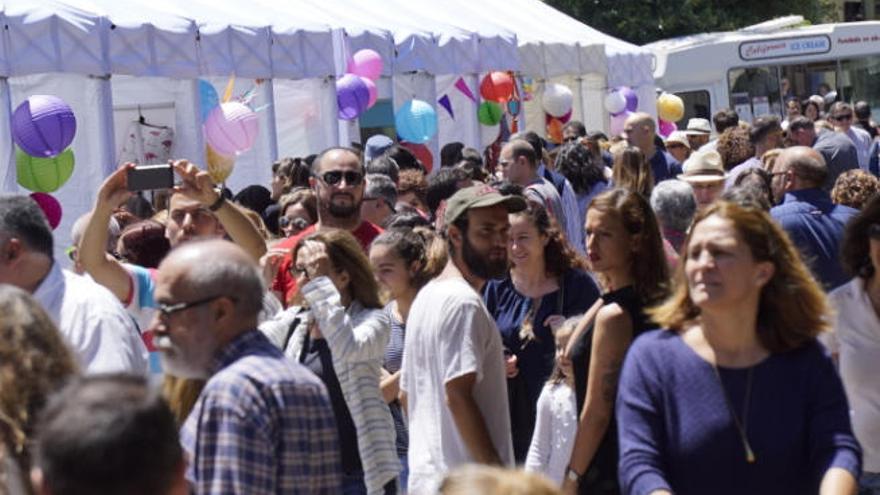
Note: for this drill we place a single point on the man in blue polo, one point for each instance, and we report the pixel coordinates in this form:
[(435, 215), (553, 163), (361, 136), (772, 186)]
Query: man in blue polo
[(639, 130), (814, 224)]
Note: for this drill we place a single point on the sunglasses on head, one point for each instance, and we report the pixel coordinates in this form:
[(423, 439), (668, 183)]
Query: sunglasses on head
[(333, 177)]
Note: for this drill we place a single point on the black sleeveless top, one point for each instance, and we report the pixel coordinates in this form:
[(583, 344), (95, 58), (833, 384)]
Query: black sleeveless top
[(601, 476)]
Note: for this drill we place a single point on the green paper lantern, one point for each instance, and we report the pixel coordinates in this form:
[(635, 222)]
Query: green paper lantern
[(43, 174), (489, 113)]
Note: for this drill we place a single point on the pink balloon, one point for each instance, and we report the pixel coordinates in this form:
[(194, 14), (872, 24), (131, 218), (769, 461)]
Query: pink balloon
[(366, 63), (50, 206), (231, 128), (666, 128), (374, 91), (617, 123)]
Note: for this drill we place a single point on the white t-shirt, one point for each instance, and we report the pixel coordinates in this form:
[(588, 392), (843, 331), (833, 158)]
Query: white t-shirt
[(450, 334), (856, 338)]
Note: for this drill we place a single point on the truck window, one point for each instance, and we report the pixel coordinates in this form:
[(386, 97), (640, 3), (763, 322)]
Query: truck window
[(754, 91), (858, 78), (804, 80), (696, 105)]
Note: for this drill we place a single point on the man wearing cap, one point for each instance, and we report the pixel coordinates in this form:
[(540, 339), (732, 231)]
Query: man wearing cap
[(453, 381), (698, 131), (376, 145), (678, 146), (380, 196), (704, 172), (639, 130)]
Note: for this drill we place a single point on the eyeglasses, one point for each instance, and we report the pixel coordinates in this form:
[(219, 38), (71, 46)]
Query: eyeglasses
[(166, 310), (333, 177), (294, 223), (570, 139), (843, 117), (874, 231)]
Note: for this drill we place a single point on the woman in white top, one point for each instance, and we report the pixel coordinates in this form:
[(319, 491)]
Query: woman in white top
[(557, 421), (855, 340), (341, 337)]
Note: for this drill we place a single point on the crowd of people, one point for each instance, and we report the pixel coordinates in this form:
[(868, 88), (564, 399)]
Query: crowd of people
[(638, 315)]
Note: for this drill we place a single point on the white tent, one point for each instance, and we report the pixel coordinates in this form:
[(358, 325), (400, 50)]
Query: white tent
[(113, 59)]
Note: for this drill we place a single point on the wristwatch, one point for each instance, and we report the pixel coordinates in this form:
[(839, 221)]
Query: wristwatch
[(572, 475), (217, 204)]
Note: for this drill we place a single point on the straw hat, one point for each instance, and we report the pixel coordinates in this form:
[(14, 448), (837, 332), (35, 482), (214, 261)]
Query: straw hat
[(678, 137), (703, 166)]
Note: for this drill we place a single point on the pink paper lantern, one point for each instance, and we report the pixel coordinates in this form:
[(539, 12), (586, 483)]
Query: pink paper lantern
[(43, 125), (618, 121), (374, 91), (231, 128), (366, 63), (50, 206)]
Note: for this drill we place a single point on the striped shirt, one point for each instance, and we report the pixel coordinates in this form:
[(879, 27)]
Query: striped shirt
[(262, 425)]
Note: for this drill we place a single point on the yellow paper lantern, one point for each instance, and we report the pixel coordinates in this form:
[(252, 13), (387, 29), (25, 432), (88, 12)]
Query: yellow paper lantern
[(219, 166), (670, 107)]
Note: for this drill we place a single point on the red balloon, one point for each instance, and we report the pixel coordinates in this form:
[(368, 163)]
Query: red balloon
[(422, 153), (497, 86)]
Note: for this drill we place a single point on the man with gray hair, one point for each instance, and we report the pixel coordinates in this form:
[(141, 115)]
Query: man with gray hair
[(263, 424), (674, 204), (92, 321), (380, 196), (814, 224)]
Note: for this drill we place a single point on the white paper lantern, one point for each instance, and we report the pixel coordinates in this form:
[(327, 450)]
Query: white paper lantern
[(557, 99), (615, 102)]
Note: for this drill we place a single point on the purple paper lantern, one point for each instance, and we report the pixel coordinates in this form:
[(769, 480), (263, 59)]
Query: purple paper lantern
[(632, 99), (231, 128), (43, 125), (50, 206), (352, 96)]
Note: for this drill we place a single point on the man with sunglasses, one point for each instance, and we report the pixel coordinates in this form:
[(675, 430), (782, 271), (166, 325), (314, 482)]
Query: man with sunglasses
[(841, 115), (263, 424), (338, 182), (814, 224)]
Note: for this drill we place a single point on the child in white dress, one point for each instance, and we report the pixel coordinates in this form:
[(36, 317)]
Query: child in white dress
[(556, 424)]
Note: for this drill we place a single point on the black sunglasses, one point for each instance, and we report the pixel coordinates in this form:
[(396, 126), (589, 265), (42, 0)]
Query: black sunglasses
[(297, 223), (333, 177), (843, 117), (169, 309)]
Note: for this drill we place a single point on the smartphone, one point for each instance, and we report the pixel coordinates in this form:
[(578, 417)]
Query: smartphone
[(149, 177)]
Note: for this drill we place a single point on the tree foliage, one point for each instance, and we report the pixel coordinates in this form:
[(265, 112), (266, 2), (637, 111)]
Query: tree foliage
[(644, 21)]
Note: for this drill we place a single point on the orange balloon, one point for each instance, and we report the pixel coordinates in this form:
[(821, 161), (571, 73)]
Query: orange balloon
[(554, 131)]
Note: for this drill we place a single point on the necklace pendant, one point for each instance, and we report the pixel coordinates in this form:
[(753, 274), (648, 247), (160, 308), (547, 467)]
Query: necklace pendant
[(750, 456)]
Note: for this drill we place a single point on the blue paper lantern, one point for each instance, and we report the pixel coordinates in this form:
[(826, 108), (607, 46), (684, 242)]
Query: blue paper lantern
[(352, 96), (416, 121), (208, 98)]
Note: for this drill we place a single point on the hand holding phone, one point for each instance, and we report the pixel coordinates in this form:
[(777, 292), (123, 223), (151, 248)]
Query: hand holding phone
[(150, 177)]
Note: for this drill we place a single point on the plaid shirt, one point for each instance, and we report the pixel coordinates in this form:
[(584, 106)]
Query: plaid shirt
[(262, 425)]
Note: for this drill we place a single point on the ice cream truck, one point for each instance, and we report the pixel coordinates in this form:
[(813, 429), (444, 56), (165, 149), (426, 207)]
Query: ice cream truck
[(759, 69)]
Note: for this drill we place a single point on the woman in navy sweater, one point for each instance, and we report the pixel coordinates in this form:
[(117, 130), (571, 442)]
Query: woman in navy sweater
[(737, 396)]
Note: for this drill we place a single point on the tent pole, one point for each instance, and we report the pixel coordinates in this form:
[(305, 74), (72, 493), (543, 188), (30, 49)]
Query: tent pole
[(107, 154), (7, 150), (268, 119)]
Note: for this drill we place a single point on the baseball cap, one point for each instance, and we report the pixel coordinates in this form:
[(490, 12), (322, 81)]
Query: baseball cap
[(703, 166), (479, 196), (376, 145)]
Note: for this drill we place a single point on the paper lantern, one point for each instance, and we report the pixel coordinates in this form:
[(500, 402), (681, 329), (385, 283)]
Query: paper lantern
[(231, 128), (557, 99), (670, 107), (43, 174), (496, 86), (615, 102), (422, 153), (666, 128), (366, 63), (352, 96), (565, 118), (632, 99), (489, 113), (373, 90), (50, 206), (219, 166), (416, 121), (618, 121), (208, 98), (43, 125)]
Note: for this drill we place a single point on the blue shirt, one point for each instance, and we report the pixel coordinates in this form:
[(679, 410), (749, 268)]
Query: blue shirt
[(664, 166), (815, 225), (677, 433), (262, 425)]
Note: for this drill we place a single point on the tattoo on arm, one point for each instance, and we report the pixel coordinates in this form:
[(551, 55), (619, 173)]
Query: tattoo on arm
[(610, 379)]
